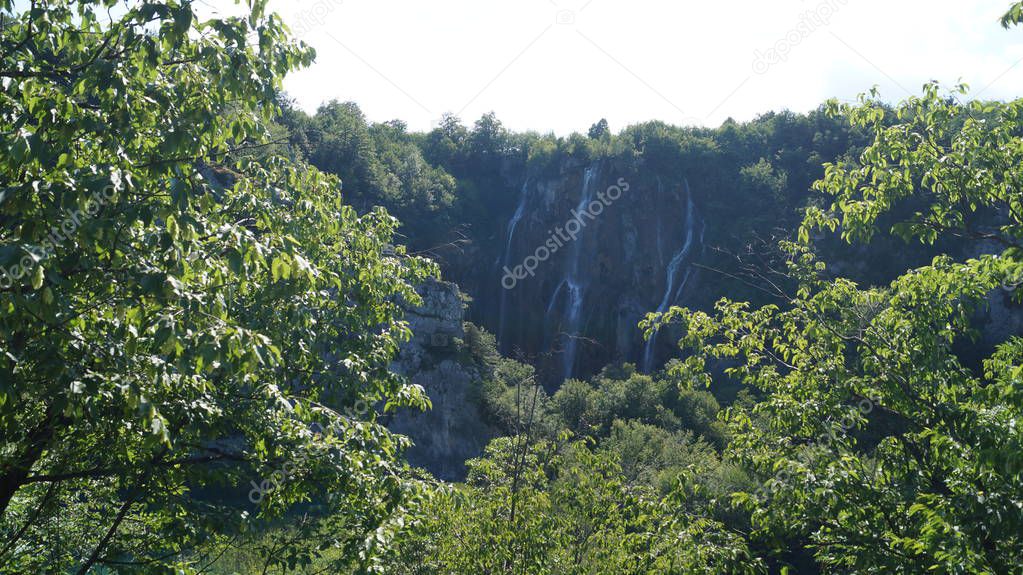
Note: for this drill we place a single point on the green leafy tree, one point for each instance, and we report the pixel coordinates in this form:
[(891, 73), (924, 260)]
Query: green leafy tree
[(488, 139), (767, 187), (599, 131), (619, 392), (342, 145), (563, 508), (875, 443), (653, 456), (181, 326), (959, 160), (446, 145)]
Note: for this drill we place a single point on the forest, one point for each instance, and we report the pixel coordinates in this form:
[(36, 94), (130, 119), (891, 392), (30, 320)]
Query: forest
[(205, 292)]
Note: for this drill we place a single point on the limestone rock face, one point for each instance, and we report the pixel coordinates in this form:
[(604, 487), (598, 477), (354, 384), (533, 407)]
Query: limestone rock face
[(454, 430), (578, 251), (589, 249), (435, 325), (1000, 319)]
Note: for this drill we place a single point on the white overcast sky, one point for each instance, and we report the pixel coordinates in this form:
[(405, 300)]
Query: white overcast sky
[(560, 65)]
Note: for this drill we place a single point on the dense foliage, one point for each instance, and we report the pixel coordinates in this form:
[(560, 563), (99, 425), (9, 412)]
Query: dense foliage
[(563, 507), (196, 326), (174, 319), (875, 443), (469, 179)]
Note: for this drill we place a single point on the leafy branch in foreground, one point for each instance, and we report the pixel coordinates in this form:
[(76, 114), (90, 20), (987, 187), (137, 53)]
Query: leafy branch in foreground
[(171, 329), (875, 442), (962, 161), (1013, 16)]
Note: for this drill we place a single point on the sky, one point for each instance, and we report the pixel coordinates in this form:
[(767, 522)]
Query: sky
[(561, 65)]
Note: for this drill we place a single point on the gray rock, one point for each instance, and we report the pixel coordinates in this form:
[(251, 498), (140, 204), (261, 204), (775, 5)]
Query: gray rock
[(454, 430)]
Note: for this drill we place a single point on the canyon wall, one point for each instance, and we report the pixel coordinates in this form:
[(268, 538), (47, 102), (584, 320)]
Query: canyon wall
[(586, 253)]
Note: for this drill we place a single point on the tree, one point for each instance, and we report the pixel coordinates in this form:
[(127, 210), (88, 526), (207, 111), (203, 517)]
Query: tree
[(875, 442), (767, 186), (446, 145), (343, 146), (600, 130), (182, 327), (556, 507), (960, 160), (488, 138)]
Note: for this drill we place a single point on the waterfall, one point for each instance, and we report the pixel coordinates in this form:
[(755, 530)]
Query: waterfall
[(673, 285), (573, 280), (513, 223), (554, 301), (572, 324)]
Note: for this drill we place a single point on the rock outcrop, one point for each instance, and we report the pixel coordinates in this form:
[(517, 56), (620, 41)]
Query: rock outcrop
[(455, 429)]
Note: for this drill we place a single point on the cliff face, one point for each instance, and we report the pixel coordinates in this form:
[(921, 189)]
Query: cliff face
[(455, 429), (583, 254), (587, 252), (588, 249)]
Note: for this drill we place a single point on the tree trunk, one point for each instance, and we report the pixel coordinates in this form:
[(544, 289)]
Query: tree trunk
[(14, 473)]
